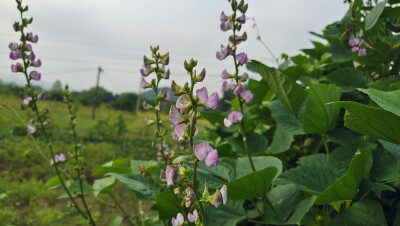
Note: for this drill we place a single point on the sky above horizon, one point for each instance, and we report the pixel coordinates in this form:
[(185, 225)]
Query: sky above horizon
[(75, 37)]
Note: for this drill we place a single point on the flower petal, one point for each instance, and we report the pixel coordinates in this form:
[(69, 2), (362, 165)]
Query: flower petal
[(213, 101), (202, 94), (174, 115), (212, 158)]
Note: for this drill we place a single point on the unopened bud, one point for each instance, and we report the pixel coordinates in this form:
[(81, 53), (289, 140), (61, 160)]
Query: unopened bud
[(166, 74), (244, 77), (165, 59), (176, 89), (201, 76)]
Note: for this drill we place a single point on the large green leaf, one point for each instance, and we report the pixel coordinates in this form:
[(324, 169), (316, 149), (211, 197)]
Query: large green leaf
[(373, 16), (320, 117), (375, 187), (138, 184), (257, 143), (291, 94), (348, 78), (385, 166), (285, 118), (75, 188), (284, 199), (393, 148), (317, 172), (253, 185), (345, 188), (260, 162), (281, 140), (167, 205), (229, 214), (259, 90), (390, 101), (301, 209), (103, 185), (364, 212), (372, 121)]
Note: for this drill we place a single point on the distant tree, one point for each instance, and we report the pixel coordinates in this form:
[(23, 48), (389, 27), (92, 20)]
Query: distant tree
[(125, 101), (56, 92)]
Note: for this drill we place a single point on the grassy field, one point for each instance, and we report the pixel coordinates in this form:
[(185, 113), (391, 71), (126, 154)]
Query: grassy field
[(25, 168)]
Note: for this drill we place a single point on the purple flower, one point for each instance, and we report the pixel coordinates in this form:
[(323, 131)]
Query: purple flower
[(174, 116), (222, 17), (16, 54), (32, 127), (247, 96), (36, 63), (362, 52), (33, 38), (17, 67), (178, 221), (60, 158), (233, 117), (144, 84), (225, 74), (204, 152), (239, 89), (171, 176), (35, 75), (193, 217), (13, 46), (168, 96), (211, 101), (228, 85), (242, 58), (145, 71), (242, 19), (220, 197), (353, 41), (31, 57), (27, 100), (225, 51), (226, 25), (28, 47), (356, 64)]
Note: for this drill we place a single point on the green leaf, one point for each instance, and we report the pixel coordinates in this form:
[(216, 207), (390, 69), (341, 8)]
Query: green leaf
[(139, 185), (252, 185), (393, 148), (136, 163), (373, 16), (301, 210), (103, 185), (345, 188), (385, 166), (281, 140), (214, 117), (320, 117), (117, 221), (229, 214), (112, 169), (259, 90), (372, 121), (257, 143), (348, 78), (364, 212), (54, 182), (260, 162), (167, 205), (284, 199), (377, 188), (340, 54), (291, 94), (390, 101), (285, 118), (116, 162)]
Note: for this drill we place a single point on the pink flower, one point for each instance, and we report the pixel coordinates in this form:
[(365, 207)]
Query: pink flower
[(233, 117), (225, 74), (247, 96), (33, 38), (145, 71), (60, 158), (168, 97), (171, 176), (16, 54), (36, 63), (193, 217), (226, 25), (35, 75), (242, 19), (27, 100), (222, 17), (204, 152), (242, 58), (183, 102), (13, 46), (144, 84), (28, 47), (362, 52), (211, 101), (180, 131), (178, 221), (228, 85), (220, 197), (353, 41)]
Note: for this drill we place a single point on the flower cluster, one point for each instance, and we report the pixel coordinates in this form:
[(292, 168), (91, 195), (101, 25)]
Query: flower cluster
[(234, 81), (358, 45), (233, 117)]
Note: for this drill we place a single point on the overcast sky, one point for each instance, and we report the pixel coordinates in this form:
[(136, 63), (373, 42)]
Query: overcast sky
[(77, 36)]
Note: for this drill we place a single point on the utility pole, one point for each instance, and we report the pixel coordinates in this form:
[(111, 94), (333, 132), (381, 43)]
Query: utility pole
[(96, 92)]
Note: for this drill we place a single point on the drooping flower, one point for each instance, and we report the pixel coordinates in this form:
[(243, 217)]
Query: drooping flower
[(171, 175), (211, 101), (362, 52), (233, 117), (144, 84), (242, 19), (220, 197), (246, 95), (226, 25), (222, 17), (28, 47), (225, 51), (242, 58), (16, 54), (13, 46), (193, 217), (174, 116), (36, 63), (32, 127), (33, 38), (17, 67), (145, 71), (35, 75), (228, 85), (205, 152), (178, 221), (225, 74)]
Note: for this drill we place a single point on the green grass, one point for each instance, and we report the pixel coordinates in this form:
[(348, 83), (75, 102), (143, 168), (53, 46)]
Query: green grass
[(25, 200)]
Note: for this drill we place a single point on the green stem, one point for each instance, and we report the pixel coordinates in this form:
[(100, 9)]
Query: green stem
[(120, 208)]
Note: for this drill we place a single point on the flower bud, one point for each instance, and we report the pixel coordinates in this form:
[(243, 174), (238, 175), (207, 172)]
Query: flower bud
[(13, 46), (16, 26), (243, 8), (35, 75), (244, 77), (147, 61), (201, 76), (166, 74), (165, 59), (176, 89)]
